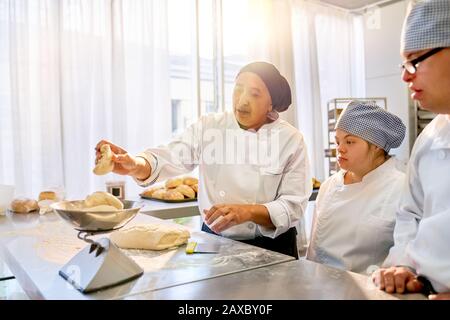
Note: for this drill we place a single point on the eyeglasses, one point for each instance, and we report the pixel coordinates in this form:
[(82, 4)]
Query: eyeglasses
[(412, 65)]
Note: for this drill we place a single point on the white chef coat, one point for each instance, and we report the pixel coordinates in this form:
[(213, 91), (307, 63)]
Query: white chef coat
[(422, 231), (281, 182), (353, 224)]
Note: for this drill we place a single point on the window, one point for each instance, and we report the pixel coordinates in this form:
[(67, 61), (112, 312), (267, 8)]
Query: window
[(207, 49)]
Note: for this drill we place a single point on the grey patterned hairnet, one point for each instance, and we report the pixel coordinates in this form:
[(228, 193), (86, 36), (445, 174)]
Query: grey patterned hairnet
[(427, 26), (373, 124)]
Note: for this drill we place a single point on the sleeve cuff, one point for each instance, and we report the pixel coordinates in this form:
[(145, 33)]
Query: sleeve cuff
[(397, 257), (280, 220), (153, 162)]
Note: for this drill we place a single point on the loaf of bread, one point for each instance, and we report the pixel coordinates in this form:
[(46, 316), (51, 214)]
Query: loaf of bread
[(24, 205), (155, 236), (195, 188)]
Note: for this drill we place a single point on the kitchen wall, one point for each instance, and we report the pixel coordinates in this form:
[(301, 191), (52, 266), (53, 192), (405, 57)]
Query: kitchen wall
[(383, 27)]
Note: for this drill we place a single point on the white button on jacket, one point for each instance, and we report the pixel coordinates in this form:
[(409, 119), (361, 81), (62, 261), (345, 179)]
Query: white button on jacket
[(422, 231), (278, 178), (353, 224)]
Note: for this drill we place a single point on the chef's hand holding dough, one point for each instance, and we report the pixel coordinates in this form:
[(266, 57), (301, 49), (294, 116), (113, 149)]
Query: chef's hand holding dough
[(123, 162), (105, 164)]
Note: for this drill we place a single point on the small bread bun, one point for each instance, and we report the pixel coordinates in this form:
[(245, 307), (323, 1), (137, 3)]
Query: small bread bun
[(149, 192), (105, 164), (173, 195), (159, 194), (173, 183), (103, 198), (186, 191), (190, 181), (47, 195), (24, 205), (195, 188)]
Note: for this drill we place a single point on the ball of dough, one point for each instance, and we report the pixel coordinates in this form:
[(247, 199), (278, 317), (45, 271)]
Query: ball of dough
[(173, 195), (186, 191), (103, 198), (150, 236), (159, 194), (190, 181), (149, 192), (173, 183), (24, 205), (105, 164), (47, 195), (101, 208), (195, 188)]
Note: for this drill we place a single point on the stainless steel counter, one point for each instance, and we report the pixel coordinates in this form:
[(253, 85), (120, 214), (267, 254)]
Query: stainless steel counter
[(36, 254), (36, 247), (299, 279)]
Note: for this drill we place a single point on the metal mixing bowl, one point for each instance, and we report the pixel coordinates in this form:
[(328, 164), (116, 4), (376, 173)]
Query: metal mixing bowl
[(76, 213)]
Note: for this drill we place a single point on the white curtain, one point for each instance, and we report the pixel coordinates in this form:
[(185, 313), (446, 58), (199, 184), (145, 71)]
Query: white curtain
[(329, 63), (79, 71), (269, 38)]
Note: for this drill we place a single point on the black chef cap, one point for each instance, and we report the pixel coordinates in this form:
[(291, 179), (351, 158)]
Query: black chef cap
[(278, 87)]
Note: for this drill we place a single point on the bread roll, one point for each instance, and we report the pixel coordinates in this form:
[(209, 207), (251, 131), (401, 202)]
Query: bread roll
[(190, 181), (195, 188), (47, 195), (149, 192), (150, 237), (105, 164), (185, 190), (159, 194), (173, 195), (103, 198), (173, 183), (24, 205)]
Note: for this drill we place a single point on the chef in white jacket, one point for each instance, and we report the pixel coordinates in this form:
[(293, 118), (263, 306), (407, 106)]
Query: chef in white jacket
[(354, 215), (420, 259), (254, 174)]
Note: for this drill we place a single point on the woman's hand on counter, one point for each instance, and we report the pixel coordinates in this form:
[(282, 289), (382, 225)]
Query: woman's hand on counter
[(124, 163), (234, 214), (397, 280)]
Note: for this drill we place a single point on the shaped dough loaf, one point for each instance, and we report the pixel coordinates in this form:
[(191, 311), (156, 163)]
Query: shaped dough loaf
[(105, 164), (150, 237), (103, 198)]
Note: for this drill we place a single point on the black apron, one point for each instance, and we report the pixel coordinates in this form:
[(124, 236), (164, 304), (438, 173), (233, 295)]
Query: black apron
[(285, 243)]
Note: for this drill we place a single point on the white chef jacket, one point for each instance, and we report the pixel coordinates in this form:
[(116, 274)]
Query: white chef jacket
[(422, 231), (279, 180), (353, 224)]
